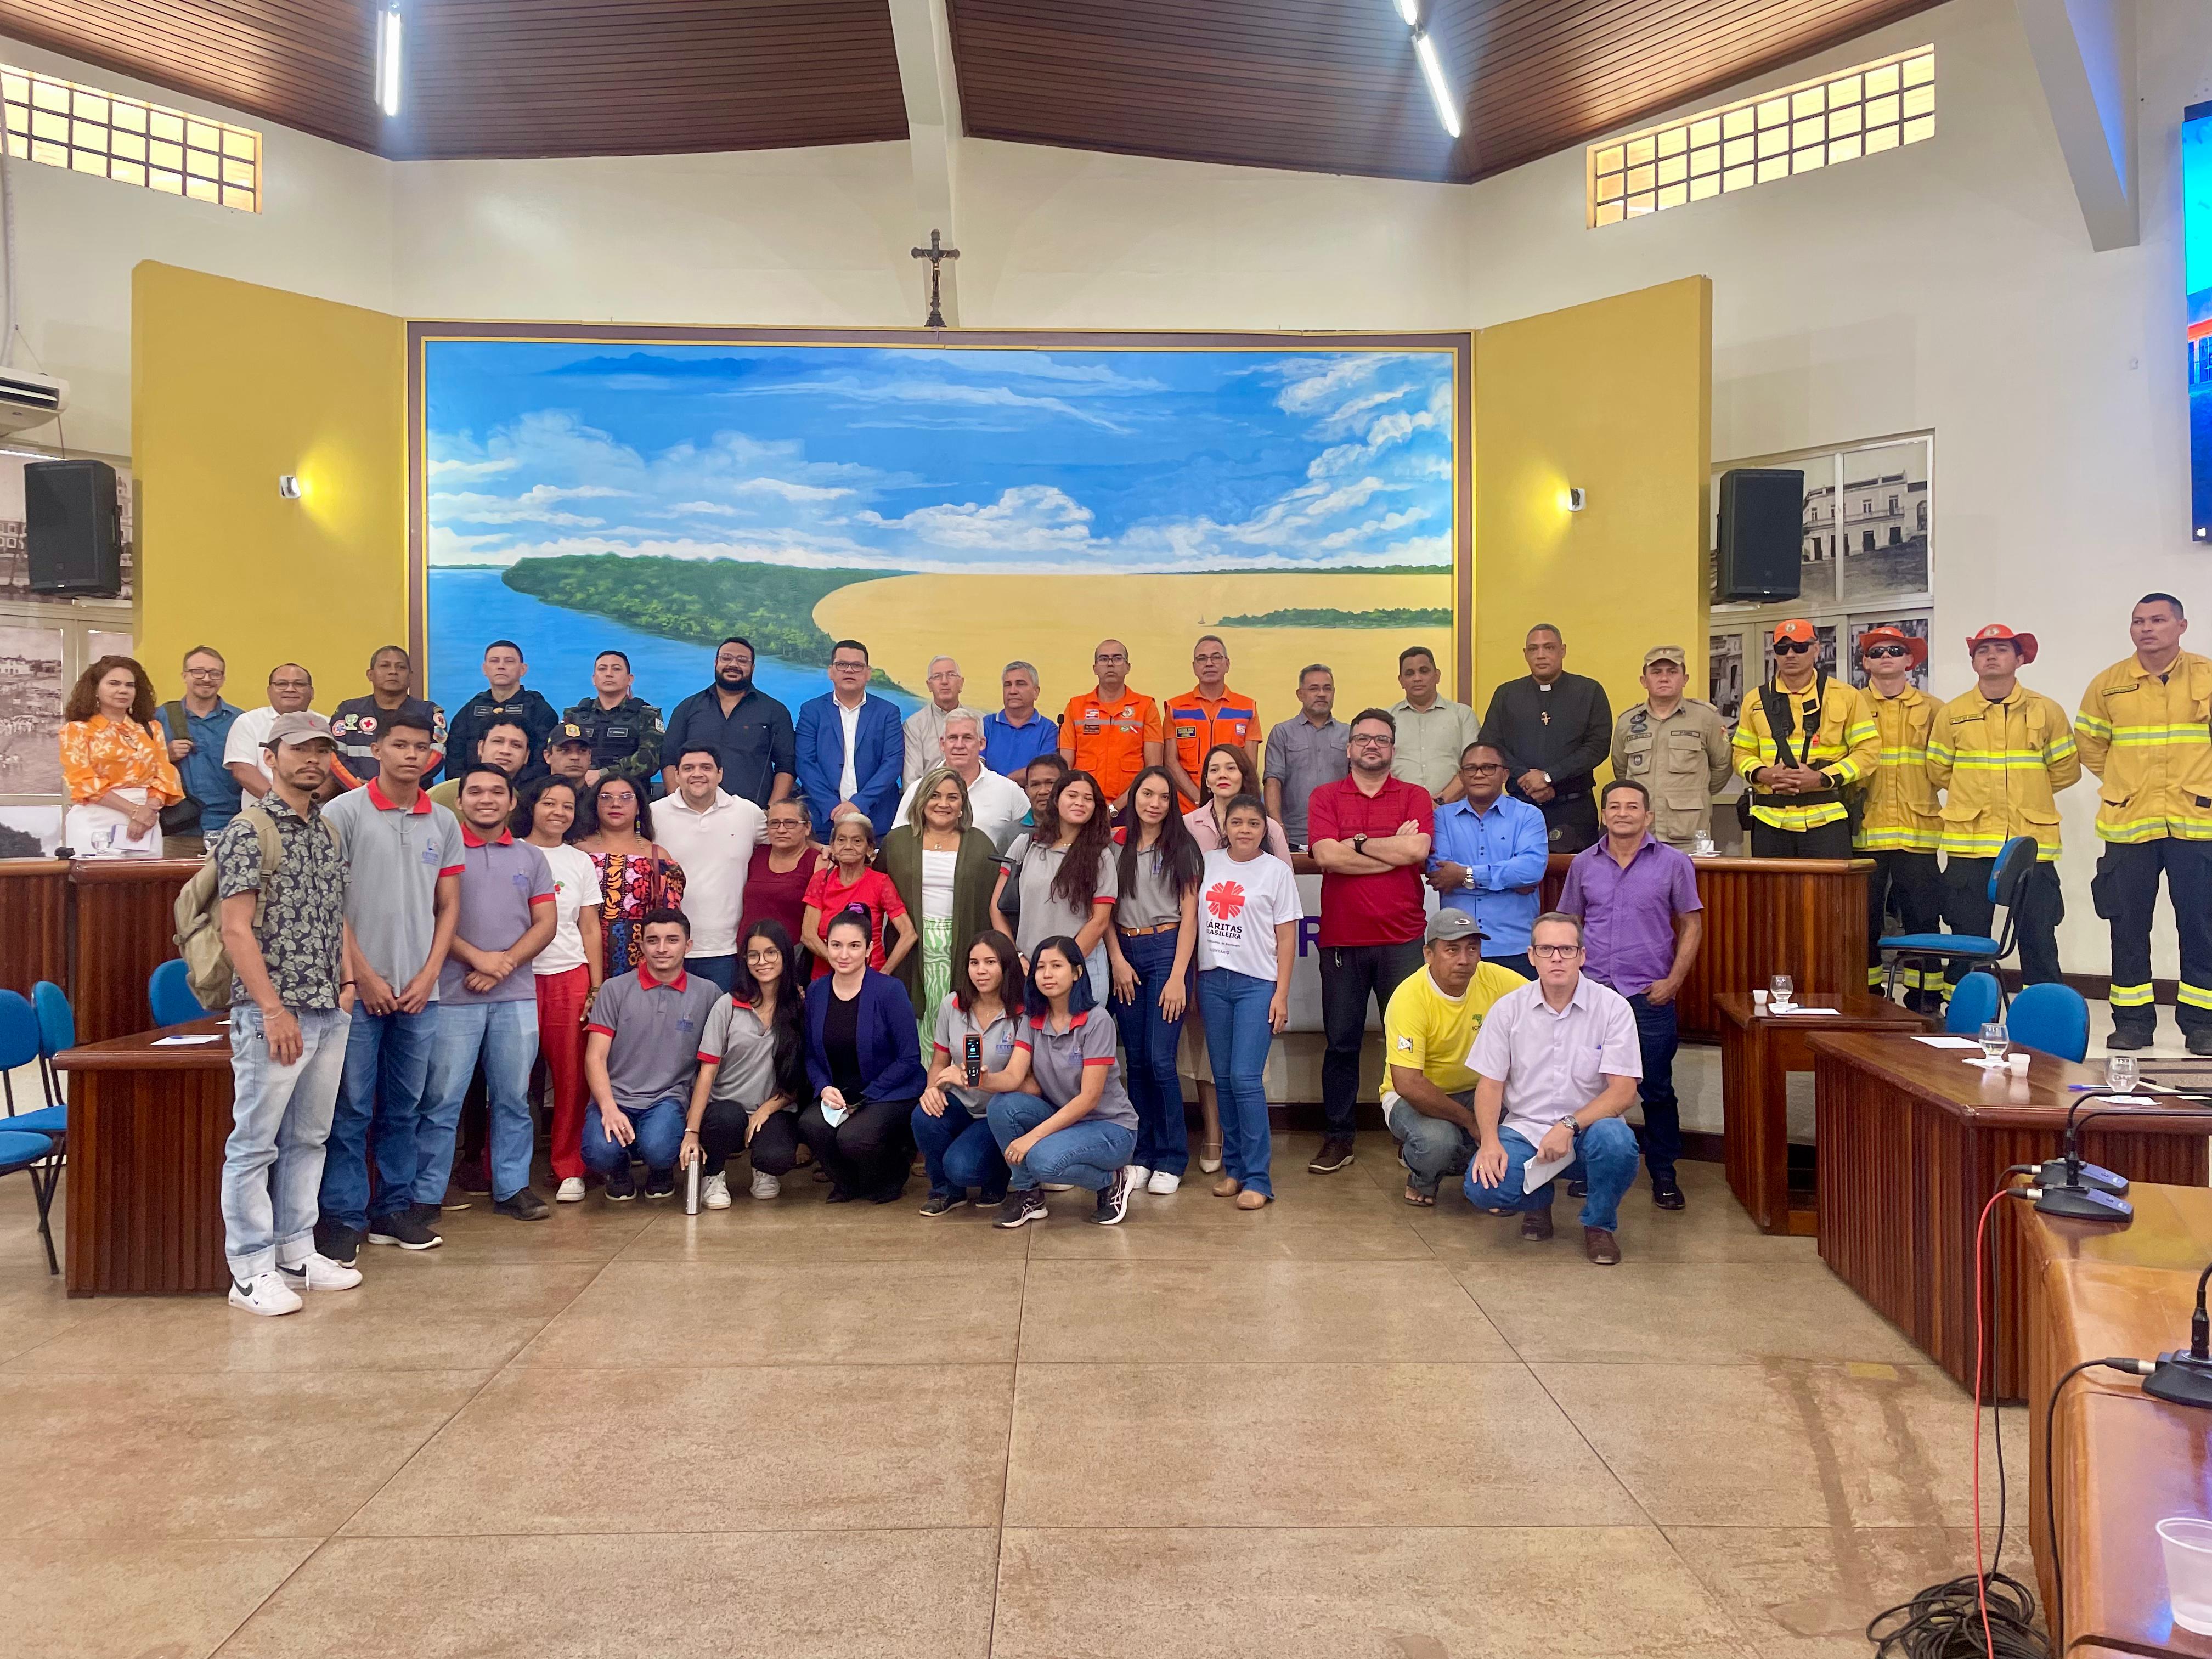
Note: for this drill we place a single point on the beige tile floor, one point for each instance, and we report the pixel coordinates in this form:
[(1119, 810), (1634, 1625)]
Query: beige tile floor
[(1337, 1428)]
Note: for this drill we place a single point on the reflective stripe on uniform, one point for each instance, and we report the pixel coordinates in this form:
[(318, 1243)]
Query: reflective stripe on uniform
[(2194, 996), (2129, 996)]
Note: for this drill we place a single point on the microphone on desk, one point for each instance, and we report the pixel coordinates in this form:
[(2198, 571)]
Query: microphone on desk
[(2073, 1196), (2185, 1378), (2068, 1170)]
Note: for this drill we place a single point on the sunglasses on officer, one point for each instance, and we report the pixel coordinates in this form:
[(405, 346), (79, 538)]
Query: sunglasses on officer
[(1874, 651), (1791, 647)]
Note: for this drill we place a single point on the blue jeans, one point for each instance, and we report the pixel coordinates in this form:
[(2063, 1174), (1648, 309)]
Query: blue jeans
[(959, 1152), (506, 1034), (387, 1060), (1656, 1034), (1084, 1154), (280, 1115), (1605, 1156), (1433, 1147), (1162, 1138), (720, 970), (659, 1129), (1237, 1037)]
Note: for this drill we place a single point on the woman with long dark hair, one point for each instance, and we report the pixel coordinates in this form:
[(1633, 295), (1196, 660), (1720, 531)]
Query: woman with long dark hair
[(635, 875), (1226, 773), (1079, 1127), (1065, 874), (1150, 945), (752, 1104), (115, 764), (985, 1006), (568, 973), (864, 1067)]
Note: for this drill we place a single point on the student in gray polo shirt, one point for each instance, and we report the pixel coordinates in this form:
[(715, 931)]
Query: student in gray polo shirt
[(403, 898), (642, 1051)]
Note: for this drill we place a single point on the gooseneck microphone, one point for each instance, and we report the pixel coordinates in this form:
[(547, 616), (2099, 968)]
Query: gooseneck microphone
[(2068, 1171), (2186, 1379), (2074, 1198)]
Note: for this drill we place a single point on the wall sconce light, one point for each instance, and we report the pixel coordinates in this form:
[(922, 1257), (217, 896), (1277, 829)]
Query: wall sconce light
[(1577, 498), (287, 486)]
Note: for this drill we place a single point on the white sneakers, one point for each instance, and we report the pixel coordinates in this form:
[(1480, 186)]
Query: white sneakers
[(764, 1186), (265, 1293), (319, 1272), (571, 1191), (714, 1192), (1163, 1181), (1138, 1174)]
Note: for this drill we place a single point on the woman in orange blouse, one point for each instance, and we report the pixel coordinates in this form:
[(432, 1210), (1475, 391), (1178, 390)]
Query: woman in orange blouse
[(114, 764)]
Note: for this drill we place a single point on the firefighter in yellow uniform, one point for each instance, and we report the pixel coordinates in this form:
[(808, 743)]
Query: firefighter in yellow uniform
[(2144, 730), (1900, 829), (1796, 786), (2001, 753)]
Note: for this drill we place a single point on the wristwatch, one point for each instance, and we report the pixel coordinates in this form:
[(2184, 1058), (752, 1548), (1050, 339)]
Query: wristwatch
[(1547, 777), (1360, 845)]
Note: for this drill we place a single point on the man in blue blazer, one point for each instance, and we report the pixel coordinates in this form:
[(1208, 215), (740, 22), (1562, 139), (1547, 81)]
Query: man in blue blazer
[(850, 745)]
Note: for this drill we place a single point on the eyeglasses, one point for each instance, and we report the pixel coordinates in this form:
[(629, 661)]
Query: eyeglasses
[(1874, 651), (1369, 737), (1477, 768), (203, 673), (1791, 647), (1557, 952)]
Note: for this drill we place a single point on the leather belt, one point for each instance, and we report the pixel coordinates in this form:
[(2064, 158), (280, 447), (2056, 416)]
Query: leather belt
[(1139, 932)]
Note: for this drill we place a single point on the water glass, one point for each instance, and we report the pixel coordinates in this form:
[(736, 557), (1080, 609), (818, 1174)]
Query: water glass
[(1995, 1040), (1779, 989), (2188, 1543), (2120, 1074)]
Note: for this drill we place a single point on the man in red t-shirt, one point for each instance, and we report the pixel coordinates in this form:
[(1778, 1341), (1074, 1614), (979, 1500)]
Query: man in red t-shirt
[(1370, 834)]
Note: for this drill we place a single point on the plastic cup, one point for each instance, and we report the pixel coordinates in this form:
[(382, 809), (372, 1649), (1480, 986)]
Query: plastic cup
[(2019, 1064), (1758, 1002), (2188, 1543)]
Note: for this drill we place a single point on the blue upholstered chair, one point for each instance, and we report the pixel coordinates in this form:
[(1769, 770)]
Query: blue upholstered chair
[(2051, 1019), (57, 1033), (169, 991), (2015, 862), (19, 1046), (33, 1155), (1974, 1002), (28, 1140)]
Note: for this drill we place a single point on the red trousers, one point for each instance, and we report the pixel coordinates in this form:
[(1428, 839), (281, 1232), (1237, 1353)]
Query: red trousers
[(560, 1041)]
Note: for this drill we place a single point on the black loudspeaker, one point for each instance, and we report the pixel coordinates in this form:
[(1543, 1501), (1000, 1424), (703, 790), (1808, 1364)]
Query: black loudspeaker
[(74, 524), (1762, 531)]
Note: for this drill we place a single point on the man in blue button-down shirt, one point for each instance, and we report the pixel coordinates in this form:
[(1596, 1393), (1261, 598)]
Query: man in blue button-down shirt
[(1489, 856), (197, 726)]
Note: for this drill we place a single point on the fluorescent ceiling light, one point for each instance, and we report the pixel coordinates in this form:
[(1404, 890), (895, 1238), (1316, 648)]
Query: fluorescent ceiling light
[(1410, 11), (1433, 72), (387, 60)]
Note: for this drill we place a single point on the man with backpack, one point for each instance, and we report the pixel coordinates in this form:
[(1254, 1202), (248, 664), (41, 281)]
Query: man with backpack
[(276, 879), (1804, 740)]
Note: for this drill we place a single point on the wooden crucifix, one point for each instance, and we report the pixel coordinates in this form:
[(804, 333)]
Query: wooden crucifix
[(936, 253)]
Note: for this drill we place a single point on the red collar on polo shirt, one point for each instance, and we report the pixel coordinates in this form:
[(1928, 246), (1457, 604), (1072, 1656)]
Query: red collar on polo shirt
[(382, 803), (646, 979), (469, 838), (1074, 1021)]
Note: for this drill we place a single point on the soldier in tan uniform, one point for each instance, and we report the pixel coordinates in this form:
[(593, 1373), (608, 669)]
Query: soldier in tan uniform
[(1676, 747)]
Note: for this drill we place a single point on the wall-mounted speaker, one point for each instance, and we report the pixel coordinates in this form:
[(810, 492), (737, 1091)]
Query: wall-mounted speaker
[(74, 524), (1761, 532)]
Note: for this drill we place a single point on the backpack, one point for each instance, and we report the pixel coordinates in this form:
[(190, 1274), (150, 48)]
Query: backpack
[(199, 910), (180, 818)]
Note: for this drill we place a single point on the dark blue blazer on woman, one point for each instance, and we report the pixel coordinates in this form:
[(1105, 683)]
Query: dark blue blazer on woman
[(891, 1051)]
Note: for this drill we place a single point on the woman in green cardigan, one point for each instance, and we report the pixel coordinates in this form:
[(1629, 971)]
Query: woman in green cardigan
[(944, 870)]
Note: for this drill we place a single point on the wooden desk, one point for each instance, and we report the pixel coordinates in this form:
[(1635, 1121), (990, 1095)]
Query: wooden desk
[(2121, 1461), (147, 1128), (34, 921), (1913, 1142), (1758, 1052), (124, 927)]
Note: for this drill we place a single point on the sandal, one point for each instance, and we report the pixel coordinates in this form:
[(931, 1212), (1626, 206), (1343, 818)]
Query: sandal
[(1249, 1199), (1420, 1200), (1228, 1187)]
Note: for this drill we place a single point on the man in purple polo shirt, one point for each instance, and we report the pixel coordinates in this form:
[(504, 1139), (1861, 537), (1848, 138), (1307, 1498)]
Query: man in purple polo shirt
[(1642, 924)]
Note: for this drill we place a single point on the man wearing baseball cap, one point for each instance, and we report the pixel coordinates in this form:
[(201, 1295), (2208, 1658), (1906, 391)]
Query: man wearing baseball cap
[(1428, 1038), (1903, 823), (1803, 740), (568, 754), (2002, 753), (1676, 747)]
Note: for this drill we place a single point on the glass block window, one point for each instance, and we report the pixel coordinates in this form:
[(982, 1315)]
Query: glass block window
[(1818, 124), (86, 131)]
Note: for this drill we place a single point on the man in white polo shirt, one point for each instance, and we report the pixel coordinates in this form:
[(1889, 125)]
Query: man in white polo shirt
[(712, 834), (1556, 1065), (995, 803), (291, 688)]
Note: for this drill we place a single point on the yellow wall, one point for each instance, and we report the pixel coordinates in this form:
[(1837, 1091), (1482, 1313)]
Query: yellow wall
[(232, 385), (1615, 397)]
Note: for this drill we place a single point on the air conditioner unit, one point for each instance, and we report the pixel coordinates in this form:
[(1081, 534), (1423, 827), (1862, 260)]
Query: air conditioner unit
[(29, 400)]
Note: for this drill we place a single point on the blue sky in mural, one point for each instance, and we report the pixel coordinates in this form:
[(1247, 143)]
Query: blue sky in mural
[(960, 459)]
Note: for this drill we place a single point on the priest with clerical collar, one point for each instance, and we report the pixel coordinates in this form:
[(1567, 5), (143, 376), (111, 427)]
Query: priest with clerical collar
[(1553, 728)]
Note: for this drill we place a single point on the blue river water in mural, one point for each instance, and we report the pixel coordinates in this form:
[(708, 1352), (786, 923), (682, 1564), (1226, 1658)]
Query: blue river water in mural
[(470, 607)]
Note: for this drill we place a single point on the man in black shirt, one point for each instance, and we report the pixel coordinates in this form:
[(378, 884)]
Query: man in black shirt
[(751, 730), (1553, 728), (355, 722), (623, 728), (504, 694)]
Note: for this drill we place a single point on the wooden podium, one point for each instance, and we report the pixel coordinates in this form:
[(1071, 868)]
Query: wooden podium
[(123, 927)]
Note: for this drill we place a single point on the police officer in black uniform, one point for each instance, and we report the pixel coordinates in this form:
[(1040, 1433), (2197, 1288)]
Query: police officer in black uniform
[(504, 696), (624, 730)]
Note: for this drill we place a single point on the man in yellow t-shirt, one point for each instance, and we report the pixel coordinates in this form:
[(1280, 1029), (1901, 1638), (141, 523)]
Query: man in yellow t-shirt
[(1428, 1039)]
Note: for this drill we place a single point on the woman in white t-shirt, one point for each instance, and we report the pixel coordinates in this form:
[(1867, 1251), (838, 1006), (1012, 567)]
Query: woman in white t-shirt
[(567, 971), (1247, 925)]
